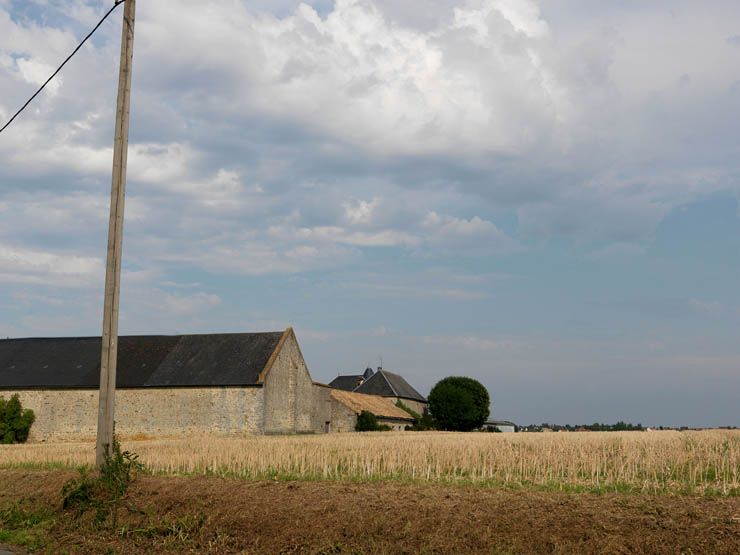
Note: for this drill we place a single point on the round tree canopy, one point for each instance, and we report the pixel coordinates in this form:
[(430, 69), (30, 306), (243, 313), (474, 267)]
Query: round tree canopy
[(459, 404)]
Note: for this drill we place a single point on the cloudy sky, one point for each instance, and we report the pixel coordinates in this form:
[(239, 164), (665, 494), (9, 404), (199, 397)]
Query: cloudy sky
[(544, 196)]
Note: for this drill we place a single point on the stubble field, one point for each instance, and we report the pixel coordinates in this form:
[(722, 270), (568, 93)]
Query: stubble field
[(387, 493), (706, 462)]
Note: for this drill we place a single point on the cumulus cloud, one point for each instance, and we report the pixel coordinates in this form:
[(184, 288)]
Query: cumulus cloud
[(340, 151), (359, 77), (493, 99), (21, 265)]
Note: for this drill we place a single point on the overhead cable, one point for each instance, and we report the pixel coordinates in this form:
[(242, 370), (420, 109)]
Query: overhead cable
[(41, 88)]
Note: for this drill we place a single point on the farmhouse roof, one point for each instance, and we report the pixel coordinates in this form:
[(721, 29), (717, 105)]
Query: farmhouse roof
[(347, 383), (388, 384), (379, 406), (228, 359)]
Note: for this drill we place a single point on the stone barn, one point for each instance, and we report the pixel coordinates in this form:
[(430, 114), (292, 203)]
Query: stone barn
[(169, 385)]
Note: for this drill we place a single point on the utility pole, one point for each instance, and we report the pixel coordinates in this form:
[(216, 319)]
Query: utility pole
[(109, 354)]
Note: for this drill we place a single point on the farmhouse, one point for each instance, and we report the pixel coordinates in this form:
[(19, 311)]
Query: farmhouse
[(175, 385), (385, 384)]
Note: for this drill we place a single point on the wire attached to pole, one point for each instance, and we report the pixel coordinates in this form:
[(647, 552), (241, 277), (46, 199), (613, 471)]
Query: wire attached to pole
[(41, 88)]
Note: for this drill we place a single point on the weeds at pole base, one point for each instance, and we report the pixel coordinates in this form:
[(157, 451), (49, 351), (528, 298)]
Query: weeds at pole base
[(103, 492)]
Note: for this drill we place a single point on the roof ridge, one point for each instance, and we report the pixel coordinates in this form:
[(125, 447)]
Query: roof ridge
[(138, 335)]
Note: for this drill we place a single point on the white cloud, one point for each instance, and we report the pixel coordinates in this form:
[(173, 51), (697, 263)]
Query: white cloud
[(360, 212), (37, 73), (22, 265), (449, 231), (360, 77)]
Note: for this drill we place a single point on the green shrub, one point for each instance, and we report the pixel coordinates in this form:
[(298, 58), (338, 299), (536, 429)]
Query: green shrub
[(368, 422), (459, 404), (104, 491), (15, 421)]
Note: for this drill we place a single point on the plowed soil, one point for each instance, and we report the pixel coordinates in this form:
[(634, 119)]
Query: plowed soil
[(216, 515)]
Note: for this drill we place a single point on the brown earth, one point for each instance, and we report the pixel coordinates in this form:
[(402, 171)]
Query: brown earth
[(217, 515)]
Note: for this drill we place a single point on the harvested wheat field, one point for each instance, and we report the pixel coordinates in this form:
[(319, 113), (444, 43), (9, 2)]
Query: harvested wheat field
[(705, 462), (662, 492)]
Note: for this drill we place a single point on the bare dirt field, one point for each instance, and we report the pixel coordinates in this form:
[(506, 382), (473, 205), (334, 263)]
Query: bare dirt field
[(230, 515)]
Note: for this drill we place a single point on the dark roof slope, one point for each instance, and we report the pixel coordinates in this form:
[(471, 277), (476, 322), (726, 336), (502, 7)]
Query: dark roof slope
[(346, 383), (143, 361), (389, 384)]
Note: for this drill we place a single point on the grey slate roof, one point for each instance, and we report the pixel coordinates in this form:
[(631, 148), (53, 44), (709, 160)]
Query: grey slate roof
[(389, 384), (345, 383), (143, 361), (350, 382)]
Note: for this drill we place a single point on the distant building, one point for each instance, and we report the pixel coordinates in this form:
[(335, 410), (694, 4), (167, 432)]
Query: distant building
[(351, 382), (384, 384), (347, 406), (501, 425)]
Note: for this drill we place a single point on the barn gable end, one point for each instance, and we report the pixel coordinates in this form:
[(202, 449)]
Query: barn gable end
[(293, 403)]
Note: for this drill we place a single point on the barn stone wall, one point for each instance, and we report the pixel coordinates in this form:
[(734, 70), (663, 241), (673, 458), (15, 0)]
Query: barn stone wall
[(343, 418), (321, 415), (71, 414), (293, 403)]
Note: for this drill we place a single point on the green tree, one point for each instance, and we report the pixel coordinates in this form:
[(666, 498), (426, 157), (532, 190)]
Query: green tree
[(15, 421), (459, 404)]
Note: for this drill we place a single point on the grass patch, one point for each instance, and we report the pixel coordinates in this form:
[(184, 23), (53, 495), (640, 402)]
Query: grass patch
[(25, 526)]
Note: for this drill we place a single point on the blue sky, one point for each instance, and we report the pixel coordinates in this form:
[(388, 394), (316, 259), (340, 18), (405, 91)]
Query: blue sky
[(542, 196)]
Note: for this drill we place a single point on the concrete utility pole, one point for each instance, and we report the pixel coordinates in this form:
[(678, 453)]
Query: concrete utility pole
[(108, 359)]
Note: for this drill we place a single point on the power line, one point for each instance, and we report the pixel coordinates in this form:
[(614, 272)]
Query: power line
[(41, 88)]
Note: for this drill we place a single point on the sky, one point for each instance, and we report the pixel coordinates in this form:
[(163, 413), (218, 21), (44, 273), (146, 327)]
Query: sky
[(544, 196)]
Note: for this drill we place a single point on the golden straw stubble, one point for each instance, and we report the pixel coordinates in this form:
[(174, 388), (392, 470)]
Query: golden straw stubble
[(659, 461)]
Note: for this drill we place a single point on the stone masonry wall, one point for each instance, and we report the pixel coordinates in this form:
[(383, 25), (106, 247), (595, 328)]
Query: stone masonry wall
[(293, 403), (72, 414), (279, 387), (321, 413), (343, 419)]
